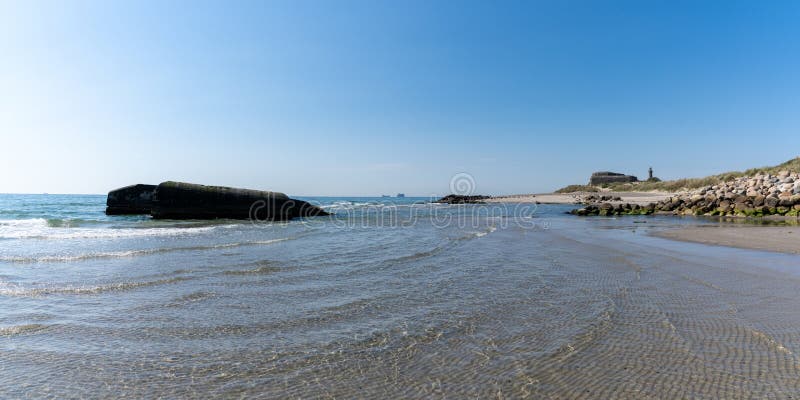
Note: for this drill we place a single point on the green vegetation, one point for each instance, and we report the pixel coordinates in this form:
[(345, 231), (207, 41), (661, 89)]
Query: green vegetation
[(792, 165), (577, 188)]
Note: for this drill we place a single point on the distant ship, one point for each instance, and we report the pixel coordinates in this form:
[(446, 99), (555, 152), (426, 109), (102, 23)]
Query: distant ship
[(385, 195), (401, 195)]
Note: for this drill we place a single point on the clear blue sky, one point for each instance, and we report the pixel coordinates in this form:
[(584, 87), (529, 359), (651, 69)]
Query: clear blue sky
[(366, 98)]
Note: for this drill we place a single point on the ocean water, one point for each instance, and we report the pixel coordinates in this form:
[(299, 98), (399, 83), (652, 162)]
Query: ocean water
[(389, 298)]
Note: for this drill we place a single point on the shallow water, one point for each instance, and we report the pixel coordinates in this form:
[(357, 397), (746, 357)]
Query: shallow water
[(414, 301)]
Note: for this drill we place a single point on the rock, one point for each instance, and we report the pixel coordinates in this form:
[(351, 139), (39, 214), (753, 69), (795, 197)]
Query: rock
[(771, 201), (579, 211), (177, 200), (759, 200), (460, 199), (133, 199), (605, 209)]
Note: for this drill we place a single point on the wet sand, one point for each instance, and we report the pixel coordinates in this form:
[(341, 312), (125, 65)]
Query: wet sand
[(641, 198), (784, 239)]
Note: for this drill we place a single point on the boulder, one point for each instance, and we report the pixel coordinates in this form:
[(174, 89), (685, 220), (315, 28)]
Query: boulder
[(133, 199), (771, 201), (785, 199), (605, 209), (177, 200)]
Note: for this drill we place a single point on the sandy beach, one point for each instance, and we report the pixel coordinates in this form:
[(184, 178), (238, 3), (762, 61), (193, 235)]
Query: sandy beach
[(641, 198), (784, 239)]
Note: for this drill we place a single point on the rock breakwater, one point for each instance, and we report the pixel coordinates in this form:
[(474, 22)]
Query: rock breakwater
[(753, 196)]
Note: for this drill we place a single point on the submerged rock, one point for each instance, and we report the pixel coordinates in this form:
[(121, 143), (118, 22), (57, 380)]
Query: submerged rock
[(461, 199), (133, 199)]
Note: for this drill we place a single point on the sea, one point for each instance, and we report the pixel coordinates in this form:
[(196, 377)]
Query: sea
[(387, 298)]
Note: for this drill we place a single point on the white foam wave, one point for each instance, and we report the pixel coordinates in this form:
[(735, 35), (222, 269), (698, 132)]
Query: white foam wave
[(482, 234), (7, 289), (38, 228), (350, 205), (21, 329)]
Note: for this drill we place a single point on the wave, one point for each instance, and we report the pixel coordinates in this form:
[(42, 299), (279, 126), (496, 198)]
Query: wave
[(352, 205), (262, 267), (133, 253), (21, 329), (70, 222), (40, 228), (442, 247), (193, 297), (16, 291), (482, 234)]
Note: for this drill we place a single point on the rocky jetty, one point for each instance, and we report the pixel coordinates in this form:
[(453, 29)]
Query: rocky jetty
[(754, 196), (178, 200), (461, 199), (133, 199), (599, 198)]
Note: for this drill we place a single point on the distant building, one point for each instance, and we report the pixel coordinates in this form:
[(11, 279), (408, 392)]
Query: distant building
[(603, 177)]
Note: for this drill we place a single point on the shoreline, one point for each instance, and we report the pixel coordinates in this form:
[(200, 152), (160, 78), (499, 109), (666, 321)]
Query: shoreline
[(781, 239), (640, 198)]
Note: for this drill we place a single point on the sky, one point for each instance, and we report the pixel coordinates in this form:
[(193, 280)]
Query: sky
[(369, 97)]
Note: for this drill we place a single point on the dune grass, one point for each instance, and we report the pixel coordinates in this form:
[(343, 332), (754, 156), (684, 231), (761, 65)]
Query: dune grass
[(578, 188)]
